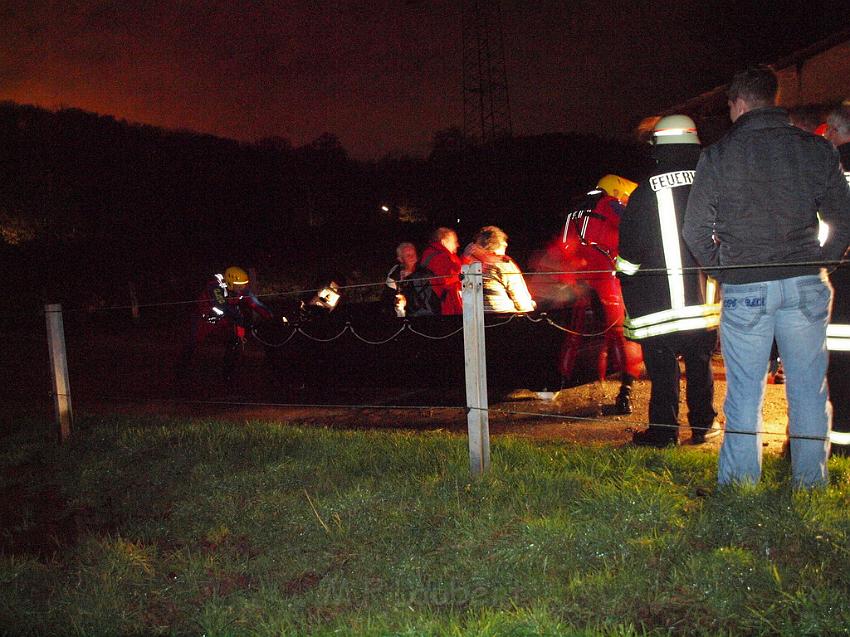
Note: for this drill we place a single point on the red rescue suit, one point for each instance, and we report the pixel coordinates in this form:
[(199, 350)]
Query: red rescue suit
[(220, 309), (223, 311), (589, 247)]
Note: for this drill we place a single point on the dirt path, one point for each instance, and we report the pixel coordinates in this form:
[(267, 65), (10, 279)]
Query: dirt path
[(130, 375), (581, 414)]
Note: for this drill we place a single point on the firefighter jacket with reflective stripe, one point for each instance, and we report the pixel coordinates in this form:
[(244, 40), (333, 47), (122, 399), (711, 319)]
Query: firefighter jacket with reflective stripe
[(838, 330), (662, 288), (219, 302), (589, 246)]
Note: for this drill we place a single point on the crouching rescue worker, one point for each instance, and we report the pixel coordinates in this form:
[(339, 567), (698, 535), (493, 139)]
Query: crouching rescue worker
[(670, 307), (589, 247), (226, 307)]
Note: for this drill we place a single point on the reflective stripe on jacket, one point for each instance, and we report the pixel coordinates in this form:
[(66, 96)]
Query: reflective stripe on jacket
[(663, 289), (838, 337), (691, 317)]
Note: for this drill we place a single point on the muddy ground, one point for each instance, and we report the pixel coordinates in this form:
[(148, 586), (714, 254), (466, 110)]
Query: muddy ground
[(129, 370)]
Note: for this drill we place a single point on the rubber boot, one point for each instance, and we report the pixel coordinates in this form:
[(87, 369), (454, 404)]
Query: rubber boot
[(623, 404)]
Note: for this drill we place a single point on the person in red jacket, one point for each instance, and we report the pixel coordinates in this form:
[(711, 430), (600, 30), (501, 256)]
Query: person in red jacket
[(441, 258), (225, 306), (589, 247)]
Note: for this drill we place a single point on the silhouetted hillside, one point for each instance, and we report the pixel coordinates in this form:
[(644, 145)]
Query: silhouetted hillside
[(89, 203)]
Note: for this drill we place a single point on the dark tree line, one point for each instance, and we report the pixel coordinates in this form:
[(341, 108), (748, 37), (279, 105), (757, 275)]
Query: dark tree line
[(89, 203)]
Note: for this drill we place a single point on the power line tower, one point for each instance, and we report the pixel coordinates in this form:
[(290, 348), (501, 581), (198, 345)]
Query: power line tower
[(486, 109)]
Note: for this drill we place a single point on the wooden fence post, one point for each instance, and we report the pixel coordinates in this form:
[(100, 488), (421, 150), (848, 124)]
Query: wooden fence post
[(59, 369), (475, 363)]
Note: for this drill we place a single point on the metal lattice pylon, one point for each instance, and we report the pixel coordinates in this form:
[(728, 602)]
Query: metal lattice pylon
[(486, 108)]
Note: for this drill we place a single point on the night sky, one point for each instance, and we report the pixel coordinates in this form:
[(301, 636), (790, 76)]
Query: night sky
[(383, 75)]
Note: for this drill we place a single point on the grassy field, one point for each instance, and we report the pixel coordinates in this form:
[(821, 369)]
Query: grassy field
[(143, 527)]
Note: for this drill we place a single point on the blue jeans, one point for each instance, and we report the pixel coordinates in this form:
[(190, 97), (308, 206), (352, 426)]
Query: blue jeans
[(795, 312)]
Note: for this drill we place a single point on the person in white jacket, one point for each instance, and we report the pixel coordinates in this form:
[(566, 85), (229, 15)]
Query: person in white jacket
[(504, 285)]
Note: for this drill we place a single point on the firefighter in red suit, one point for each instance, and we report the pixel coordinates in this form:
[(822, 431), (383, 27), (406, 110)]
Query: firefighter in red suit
[(226, 306), (589, 247), (441, 258)]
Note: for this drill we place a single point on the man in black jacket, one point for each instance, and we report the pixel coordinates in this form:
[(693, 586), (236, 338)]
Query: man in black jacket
[(752, 221), (665, 297)]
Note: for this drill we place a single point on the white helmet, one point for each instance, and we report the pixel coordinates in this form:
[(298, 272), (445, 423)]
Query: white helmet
[(675, 129)]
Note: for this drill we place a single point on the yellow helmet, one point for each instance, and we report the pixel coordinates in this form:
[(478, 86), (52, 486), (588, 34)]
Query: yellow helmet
[(675, 129), (618, 187), (235, 276)]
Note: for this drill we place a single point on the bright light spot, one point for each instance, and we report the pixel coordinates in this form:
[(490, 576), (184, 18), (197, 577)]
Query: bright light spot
[(839, 437), (838, 344), (823, 231), (385, 208), (838, 330), (668, 132)]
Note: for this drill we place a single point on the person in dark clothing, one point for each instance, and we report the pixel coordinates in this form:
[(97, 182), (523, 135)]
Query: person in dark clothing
[(838, 330), (752, 221), (394, 296), (225, 306), (668, 307)]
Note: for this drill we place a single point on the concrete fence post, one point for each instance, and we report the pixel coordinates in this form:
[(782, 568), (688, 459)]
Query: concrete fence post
[(59, 370), (475, 363)]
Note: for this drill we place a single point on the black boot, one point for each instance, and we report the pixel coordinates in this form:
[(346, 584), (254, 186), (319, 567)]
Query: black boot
[(656, 437), (623, 404), (700, 434)]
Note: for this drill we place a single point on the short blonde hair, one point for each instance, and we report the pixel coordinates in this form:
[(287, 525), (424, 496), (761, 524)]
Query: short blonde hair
[(490, 238), (441, 233)]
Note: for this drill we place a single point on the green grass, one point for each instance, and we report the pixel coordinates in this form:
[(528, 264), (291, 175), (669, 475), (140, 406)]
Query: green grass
[(145, 527)]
